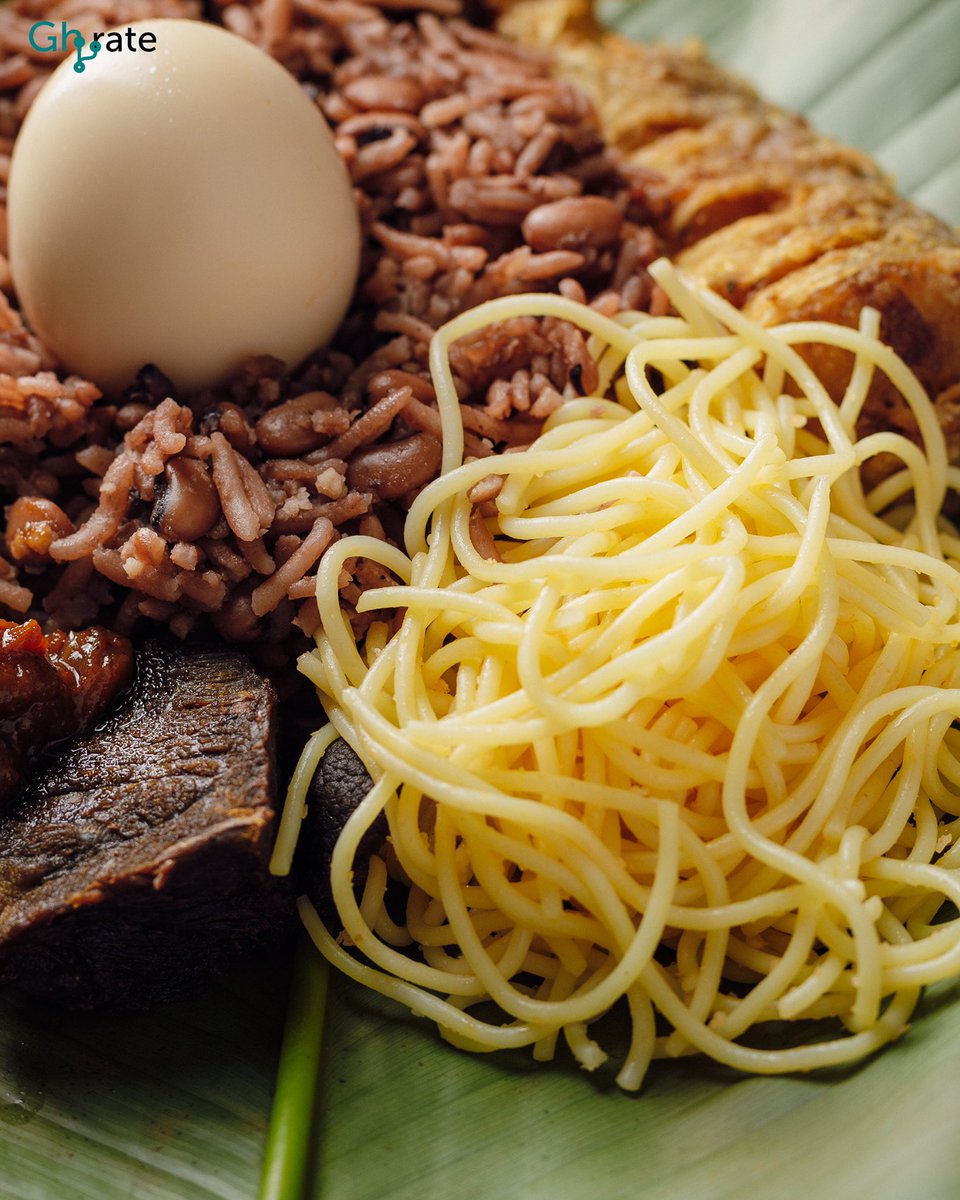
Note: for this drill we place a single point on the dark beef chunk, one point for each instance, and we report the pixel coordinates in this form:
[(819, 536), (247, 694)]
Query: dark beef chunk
[(338, 785), (134, 864)]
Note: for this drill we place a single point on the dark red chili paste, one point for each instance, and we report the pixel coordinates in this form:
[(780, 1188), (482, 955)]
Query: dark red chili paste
[(51, 687)]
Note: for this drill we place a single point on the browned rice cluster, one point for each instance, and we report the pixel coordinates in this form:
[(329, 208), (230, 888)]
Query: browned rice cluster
[(477, 175)]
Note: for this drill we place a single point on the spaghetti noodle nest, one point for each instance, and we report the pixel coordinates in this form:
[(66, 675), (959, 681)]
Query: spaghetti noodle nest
[(671, 719)]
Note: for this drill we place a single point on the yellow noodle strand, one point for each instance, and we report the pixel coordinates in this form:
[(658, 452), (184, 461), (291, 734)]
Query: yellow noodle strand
[(687, 742)]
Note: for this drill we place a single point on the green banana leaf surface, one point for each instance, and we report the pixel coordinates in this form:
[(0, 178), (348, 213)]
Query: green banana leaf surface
[(174, 1105)]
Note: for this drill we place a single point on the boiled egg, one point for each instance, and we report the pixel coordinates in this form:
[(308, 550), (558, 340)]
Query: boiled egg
[(183, 206)]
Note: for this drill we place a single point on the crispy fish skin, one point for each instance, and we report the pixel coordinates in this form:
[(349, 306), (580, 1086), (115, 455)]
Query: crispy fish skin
[(789, 225)]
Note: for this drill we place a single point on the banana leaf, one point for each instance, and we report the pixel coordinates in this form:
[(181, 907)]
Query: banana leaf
[(174, 1105)]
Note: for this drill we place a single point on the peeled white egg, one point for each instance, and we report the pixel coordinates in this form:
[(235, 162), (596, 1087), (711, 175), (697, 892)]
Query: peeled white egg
[(184, 207)]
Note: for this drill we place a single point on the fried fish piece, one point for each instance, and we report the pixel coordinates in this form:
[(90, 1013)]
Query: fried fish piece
[(788, 224)]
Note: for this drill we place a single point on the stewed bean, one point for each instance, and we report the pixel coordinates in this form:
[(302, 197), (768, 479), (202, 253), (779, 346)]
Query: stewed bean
[(393, 469), (573, 224)]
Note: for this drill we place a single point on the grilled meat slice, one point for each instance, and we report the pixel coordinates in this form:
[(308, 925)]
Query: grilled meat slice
[(135, 863)]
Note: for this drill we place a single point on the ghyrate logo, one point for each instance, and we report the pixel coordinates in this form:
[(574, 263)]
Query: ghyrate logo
[(44, 37)]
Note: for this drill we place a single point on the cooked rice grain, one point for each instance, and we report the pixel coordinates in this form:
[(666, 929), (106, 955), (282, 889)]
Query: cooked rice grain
[(476, 174)]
